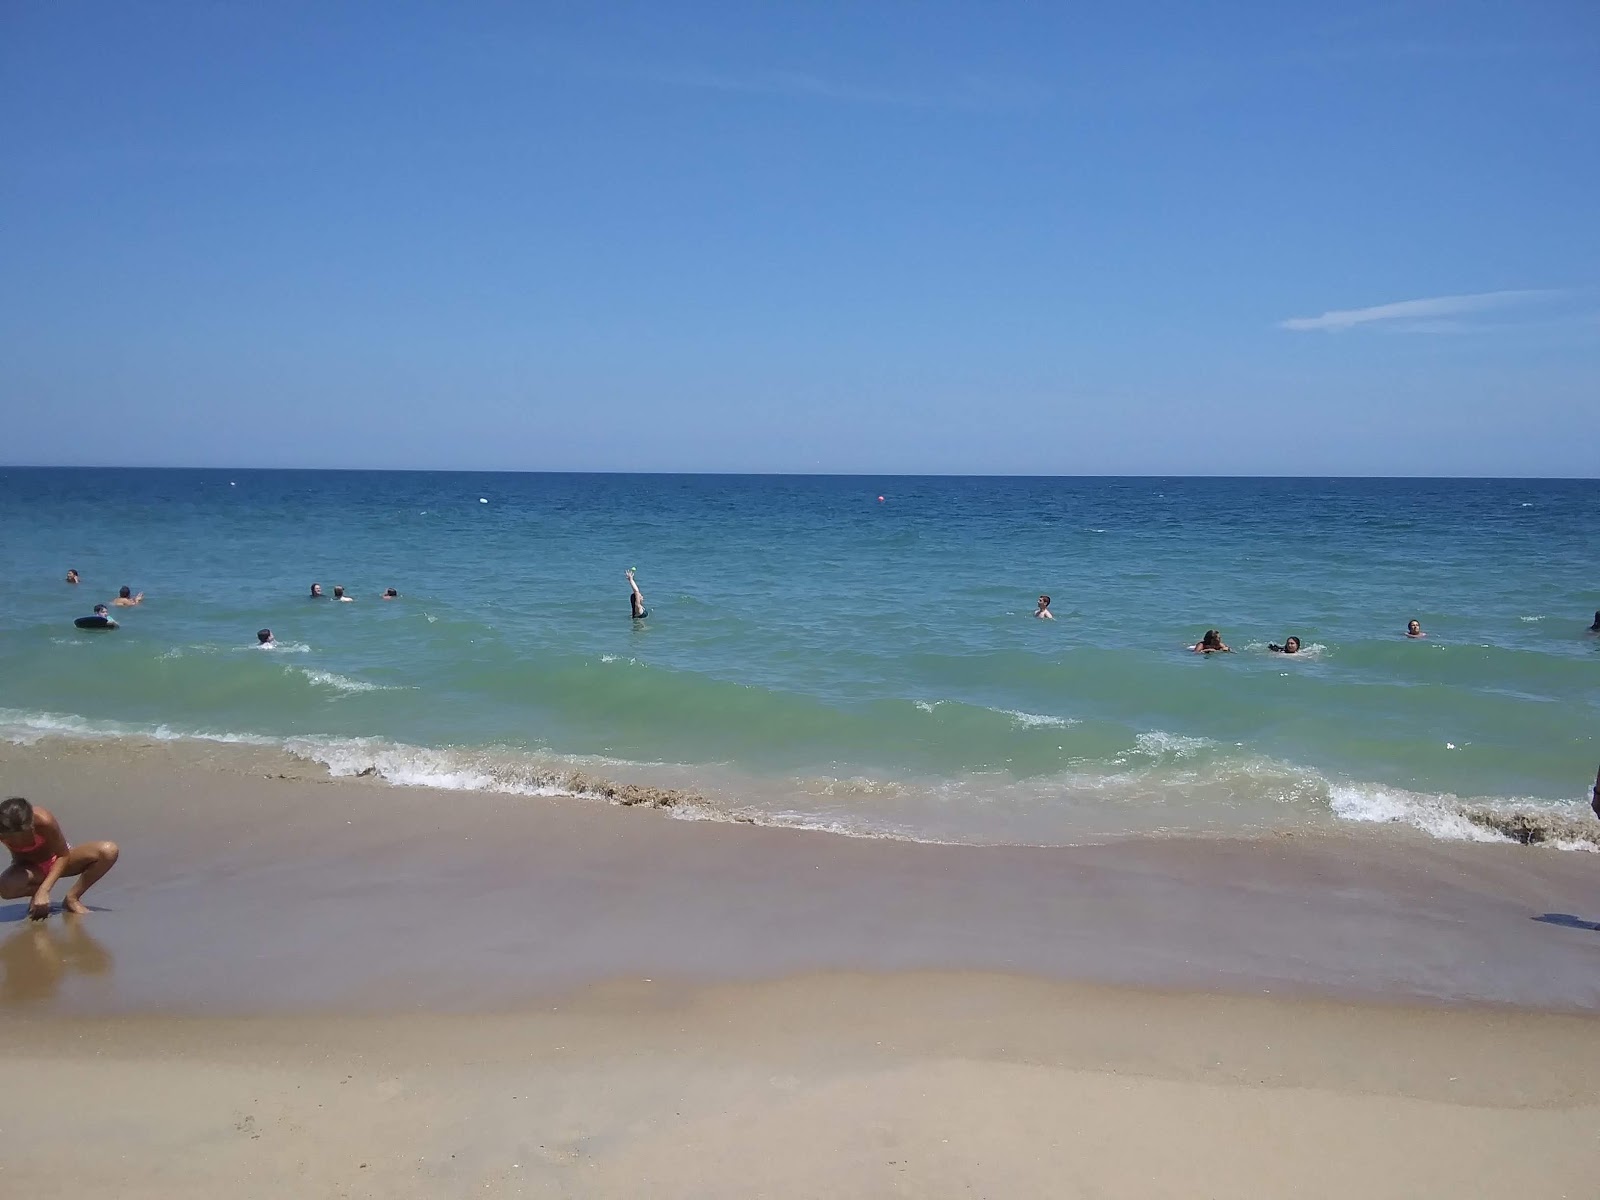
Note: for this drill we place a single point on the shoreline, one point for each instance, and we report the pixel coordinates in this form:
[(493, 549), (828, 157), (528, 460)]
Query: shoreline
[(873, 808), (238, 895)]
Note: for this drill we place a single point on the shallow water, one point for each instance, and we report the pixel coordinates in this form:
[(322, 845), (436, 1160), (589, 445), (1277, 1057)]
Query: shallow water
[(816, 657)]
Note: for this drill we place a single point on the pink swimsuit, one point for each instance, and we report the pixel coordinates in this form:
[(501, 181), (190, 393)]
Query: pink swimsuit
[(41, 865)]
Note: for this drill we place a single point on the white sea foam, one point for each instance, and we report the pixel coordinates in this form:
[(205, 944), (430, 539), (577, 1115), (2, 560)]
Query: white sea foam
[(1440, 816), (857, 785), (1530, 619), (27, 728), (407, 766), (1158, 744), (1028, 720), (928, 708), (341, 683)]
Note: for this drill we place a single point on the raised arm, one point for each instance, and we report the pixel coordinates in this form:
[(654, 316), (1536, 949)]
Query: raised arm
[(634, 586)]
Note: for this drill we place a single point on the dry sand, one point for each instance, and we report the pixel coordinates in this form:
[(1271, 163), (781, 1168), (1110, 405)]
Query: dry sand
[(828, 1086), (298, 987)]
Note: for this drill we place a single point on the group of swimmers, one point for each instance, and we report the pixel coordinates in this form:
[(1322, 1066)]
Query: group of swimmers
[(1211, 641), (41, 856), (264, 639), (102, 615), (338, 594)]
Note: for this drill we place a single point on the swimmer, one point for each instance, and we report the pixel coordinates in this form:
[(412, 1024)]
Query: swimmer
[(316, 592), (72, 577), (41, 857), (264, 639), (126, 598), (636, 599), (1414, 630), (1291, 645), (1595, 628), (338, 594), (390, 594), (1594, 800), (1211, 643), (1043, 611)]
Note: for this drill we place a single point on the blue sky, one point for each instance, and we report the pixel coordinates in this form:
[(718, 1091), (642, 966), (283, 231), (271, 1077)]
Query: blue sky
[(1060, 239)]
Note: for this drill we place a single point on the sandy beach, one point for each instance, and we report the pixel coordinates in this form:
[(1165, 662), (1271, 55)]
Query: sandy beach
[(296, 985)]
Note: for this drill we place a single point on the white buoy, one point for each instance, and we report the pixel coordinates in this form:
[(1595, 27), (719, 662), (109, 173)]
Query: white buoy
[(481, 500)]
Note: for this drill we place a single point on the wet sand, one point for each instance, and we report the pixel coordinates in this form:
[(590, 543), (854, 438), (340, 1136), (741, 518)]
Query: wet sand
[(242, 894), (476, 994)]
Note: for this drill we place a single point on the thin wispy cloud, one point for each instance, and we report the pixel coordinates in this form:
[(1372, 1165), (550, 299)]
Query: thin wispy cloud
[(1431, 315)]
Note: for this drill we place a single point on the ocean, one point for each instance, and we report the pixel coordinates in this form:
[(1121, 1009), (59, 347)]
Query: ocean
[(817, 656)]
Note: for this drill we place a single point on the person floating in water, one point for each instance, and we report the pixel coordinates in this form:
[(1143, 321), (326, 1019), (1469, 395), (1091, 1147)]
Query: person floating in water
[(41, 857), (1043, 611), (264, 639), (1291, 645), (100, 620), (1595, 628), (390, 594), (338, 594), (126, 598), (72, 577), (316, 592), (1414, 630), (636, 599), (1211, 643)]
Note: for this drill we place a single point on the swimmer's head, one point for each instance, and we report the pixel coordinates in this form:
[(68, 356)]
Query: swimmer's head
[(390, 594), (263, 636), (316, 590), (1291, 645), (1212, 639), (1044, 602), (338, 591), (100, 610), (1596, 624), (72, 577), (16, 816), (125, 592), (1414, 627)]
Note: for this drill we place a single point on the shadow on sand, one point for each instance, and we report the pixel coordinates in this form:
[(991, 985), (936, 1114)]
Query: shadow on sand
[(1568, 920)]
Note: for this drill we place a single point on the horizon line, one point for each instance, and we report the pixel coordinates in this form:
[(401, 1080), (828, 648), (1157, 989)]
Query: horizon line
[(782, 474)]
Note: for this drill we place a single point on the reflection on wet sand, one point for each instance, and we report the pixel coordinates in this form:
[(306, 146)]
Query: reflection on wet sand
[(37, 959)]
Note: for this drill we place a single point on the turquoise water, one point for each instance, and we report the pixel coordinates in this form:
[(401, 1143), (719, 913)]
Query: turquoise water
[(816, 657)]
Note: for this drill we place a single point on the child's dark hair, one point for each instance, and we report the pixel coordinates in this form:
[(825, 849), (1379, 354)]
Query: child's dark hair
[(16, 814)]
